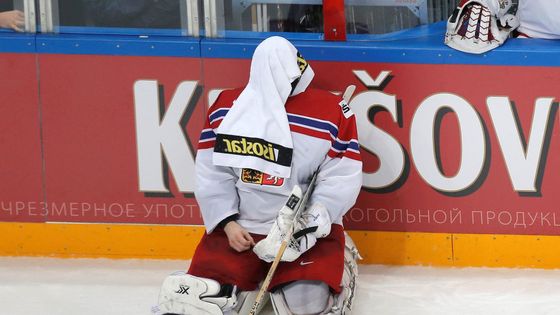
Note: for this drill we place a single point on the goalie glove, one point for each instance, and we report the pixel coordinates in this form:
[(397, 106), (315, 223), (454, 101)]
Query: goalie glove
[(268, 247), (477, 26), (314, 223)]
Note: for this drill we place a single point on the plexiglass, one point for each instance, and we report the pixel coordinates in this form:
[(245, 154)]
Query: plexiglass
[(387, 16), (121, 16)]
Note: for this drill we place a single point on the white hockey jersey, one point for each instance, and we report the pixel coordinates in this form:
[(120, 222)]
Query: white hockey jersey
[(324, 138), (539, 18)]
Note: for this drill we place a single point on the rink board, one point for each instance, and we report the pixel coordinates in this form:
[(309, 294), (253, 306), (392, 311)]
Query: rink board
[(459, 150), (376, 247)]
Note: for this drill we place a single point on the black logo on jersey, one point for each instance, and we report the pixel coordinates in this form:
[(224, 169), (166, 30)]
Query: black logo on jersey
[(346, 110), (253, 147), (183, 289)]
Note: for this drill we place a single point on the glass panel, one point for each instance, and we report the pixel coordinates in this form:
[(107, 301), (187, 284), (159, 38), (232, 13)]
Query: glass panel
[(386, 16), (439, 10), (121, 16), (272, 16)]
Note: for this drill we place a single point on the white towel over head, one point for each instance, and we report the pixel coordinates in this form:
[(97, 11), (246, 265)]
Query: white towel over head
[(255, 132)]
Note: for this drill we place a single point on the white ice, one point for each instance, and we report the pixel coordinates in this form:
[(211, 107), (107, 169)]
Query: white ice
[(104, 287)]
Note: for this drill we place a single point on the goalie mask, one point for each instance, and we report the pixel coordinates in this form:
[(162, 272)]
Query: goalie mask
[(478, 26)]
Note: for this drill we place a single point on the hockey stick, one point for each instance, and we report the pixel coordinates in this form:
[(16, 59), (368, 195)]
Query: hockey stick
[(285, 241), (348, 93)]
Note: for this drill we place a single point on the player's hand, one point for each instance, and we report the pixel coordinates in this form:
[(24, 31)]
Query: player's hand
[(12, 19), (239, 238)]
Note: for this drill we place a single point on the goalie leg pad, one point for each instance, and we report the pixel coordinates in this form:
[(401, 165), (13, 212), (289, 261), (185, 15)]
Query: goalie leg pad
[(301, 297), (342, 302), (338, 304), (247, 299), (182, 293)]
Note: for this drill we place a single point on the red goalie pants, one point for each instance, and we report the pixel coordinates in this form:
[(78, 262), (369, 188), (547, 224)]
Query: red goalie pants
[(215, 259)]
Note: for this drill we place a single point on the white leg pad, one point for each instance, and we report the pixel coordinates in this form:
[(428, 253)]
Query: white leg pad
[(301, 297), (342, 302), (185, 294), (247, 299)]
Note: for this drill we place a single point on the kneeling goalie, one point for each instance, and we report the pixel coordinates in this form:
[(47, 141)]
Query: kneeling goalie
[(262, 147)]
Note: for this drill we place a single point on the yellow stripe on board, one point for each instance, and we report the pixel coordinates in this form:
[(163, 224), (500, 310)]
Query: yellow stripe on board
[(532, 251), (179, 242), (99, 240), (404, 248)]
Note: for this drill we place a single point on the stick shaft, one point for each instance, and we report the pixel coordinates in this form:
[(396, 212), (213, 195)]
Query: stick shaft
[(269, 276), (283, 246)]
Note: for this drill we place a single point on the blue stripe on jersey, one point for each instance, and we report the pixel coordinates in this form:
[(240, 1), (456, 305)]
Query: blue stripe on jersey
[(296, 119), (339, 146), (207, 134), (316, 124), (220, 113), (354, 145), (343, 146)]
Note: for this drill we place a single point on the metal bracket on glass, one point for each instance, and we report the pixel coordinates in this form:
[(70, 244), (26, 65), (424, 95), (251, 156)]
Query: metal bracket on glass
[(214, 18), (46, 16), (192, 27), (210, 25), (28, 9), (30, 18), (260, 13)]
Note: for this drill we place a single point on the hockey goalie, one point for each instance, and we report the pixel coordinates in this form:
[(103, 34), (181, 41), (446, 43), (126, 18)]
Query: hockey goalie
[(257, 154)]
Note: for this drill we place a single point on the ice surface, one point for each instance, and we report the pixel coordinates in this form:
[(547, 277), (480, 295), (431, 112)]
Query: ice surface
[(105, 287)]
